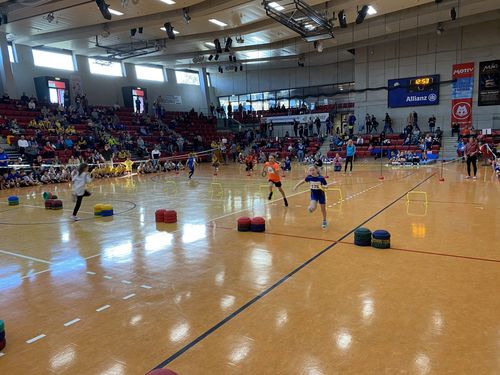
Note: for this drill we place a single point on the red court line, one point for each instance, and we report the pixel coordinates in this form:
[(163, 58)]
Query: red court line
[(392, 248)]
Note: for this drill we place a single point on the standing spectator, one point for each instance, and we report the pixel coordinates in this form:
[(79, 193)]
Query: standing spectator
[(350, 152), (295, 127), (328, 124), (108, 155), (146, 106), (229, 110), (374, 124), (234, 152), (368, 123), (318, 125), (432, 123), (212, 109), (388, 124), (301, 130), (300, 152), (471, 151), (270, 129), (310, 126), (22, 144), (138, 105)]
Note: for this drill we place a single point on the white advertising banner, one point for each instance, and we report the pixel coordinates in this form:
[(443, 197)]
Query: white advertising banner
[(300, 118)]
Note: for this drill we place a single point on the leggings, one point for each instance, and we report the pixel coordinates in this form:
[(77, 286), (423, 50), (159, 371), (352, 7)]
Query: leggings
[(79, 199), (191, 171), (347, 161), (473, 160)]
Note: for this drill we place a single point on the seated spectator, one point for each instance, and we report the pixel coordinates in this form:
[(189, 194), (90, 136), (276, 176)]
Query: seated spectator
[(31, 105), (48, 151), (22, 144), (5, 98)]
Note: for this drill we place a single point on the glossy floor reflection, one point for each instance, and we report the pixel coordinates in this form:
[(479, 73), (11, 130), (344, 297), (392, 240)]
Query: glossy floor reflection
[(123, 295)]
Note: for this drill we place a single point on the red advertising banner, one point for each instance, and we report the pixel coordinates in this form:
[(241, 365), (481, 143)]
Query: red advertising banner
[(462, 94)]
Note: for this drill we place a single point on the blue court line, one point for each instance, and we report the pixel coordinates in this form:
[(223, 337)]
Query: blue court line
[(278, 283)]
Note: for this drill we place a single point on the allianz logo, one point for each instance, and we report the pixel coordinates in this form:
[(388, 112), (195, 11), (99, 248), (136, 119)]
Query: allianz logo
[(462, 71), (490, 67), (424, 98)]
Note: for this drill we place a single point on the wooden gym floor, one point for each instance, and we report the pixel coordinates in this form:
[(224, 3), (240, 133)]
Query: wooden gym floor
[(122, 296)]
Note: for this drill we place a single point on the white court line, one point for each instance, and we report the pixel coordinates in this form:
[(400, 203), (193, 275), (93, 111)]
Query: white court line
[(126, 282), (108, 277), (129, 296), (25, 257), (71, 322), (102, 308), (146, 287), (90, 273), (39, 337)]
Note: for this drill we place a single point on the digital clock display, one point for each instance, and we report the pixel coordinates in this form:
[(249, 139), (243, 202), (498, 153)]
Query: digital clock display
[(424, 81)]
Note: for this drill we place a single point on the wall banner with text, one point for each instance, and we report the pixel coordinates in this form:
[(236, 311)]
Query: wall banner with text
[(461, 94)]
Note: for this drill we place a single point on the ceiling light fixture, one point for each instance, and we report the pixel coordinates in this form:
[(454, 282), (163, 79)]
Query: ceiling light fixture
[(217, 22), (217, 46), (169, 2), (371, 10), (229, 44), (453, 14), (169, 30), (115, 12), (210, 44), (342, 19), (362, 14), (276, 6), (185, 14), (104, 8)]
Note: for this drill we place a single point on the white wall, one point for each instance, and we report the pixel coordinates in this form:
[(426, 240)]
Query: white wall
[(422, 55), (101, 89)]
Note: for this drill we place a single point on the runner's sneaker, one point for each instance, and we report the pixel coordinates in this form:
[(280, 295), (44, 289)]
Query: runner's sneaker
[(324, 224), (75, 218)]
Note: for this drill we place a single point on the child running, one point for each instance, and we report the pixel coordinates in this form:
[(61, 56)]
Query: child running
[(191, 163), (316, 182), (272, 169), (80, 178)]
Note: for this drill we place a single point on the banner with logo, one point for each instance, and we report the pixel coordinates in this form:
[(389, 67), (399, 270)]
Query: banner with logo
[(489, 83), (462, 91), (302, 119), (413, 91)]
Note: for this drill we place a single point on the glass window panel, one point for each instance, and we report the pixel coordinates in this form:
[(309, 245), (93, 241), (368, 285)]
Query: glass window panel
[(149, 73), (54, 60), (105, 67)]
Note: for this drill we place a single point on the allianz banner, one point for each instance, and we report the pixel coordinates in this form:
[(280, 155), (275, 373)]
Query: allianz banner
[(489, 83), (413, 91), (461, 94)]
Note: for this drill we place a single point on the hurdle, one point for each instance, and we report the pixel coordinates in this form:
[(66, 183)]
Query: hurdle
[(216, 190), (170, 186), (417, 193), (339, 190)]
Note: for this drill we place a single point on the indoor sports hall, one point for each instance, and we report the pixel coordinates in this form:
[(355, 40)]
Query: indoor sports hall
[(247, 187)]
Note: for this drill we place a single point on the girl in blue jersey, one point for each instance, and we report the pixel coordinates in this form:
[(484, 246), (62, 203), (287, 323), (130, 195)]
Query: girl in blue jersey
[(191, 163), (316, 183)]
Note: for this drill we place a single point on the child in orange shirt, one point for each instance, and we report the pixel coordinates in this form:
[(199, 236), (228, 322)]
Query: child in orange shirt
[(271, 168)]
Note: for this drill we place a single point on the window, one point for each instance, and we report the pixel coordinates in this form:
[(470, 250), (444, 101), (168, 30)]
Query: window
[(149, 73), (187, 78), (54, 60), (105, 67), (12, 57)]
